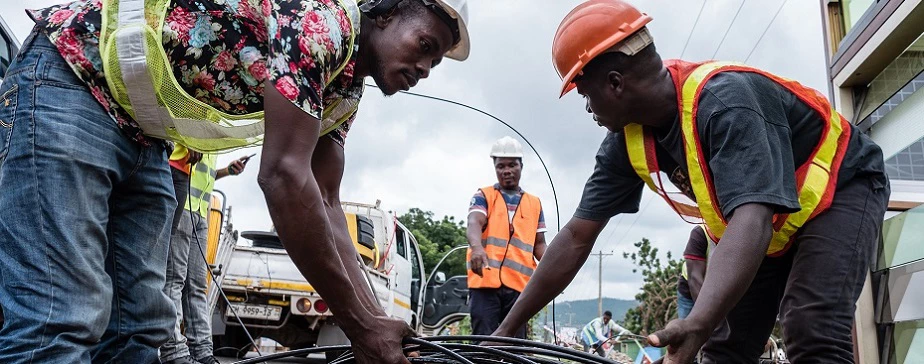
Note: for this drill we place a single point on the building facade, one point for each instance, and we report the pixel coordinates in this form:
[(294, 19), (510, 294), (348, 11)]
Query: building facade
[(875, 55)]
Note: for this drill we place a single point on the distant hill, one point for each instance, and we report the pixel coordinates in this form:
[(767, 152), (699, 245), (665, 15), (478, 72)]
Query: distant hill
[(580, 312)]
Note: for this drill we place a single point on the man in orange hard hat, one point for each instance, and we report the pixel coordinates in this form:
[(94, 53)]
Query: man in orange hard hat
[(793, 190)]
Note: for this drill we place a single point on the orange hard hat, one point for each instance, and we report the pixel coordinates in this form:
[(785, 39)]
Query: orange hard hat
[(588, 31)]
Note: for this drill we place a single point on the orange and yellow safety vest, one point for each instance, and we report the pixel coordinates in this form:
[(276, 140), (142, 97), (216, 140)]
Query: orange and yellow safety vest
[(510, 251), (816, 179)]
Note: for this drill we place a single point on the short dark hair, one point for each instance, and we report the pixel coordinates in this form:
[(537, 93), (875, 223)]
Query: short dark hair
[(415, 9), (608, 314), (412, 8), (646, 60)]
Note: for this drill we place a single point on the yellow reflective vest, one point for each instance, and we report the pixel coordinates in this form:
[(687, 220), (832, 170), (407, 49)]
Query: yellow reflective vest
[(141, 79), (816, 179)]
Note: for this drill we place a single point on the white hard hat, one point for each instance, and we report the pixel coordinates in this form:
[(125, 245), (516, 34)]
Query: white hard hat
[(507, 147), (458, 10)]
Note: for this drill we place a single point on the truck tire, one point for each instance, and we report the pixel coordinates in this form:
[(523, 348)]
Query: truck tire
[(366, 231)]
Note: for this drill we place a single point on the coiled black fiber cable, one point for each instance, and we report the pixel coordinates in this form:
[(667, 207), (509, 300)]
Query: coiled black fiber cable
[(449, 350), (442, 349)]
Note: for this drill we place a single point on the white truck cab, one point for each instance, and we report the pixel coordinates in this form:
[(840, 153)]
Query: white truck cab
[(271, 297), (9, 47)]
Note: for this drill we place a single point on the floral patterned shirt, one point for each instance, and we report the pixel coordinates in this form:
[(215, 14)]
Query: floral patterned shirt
[(222, 51)]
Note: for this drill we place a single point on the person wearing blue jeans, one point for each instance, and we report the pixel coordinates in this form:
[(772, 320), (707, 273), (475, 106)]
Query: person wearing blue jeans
[(693, 271), (84, 223), (186, 283), (87, 170), (186, 266)]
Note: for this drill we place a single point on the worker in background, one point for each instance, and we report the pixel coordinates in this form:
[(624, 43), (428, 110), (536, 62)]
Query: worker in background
[(181, 159), (506, 236), (598, 331), (186, 265), (794, 192), (87, 188), (692, 272)]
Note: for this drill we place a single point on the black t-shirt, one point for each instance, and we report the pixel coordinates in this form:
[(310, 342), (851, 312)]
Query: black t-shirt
[(754, 134), (696, 250)]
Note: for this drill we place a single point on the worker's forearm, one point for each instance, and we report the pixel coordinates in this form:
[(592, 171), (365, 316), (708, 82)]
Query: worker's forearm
[(222, 173), (540, 249), (308, 239), (697, 273), (474, 240), (473, 231), (349, 256), (732, 266), (563, 259)]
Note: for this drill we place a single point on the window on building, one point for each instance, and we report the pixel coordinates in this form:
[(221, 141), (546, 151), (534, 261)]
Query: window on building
[(893, 85), (907, 164), (854, 10)]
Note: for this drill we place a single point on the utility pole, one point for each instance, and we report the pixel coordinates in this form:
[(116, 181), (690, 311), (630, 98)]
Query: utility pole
[(600, 254)]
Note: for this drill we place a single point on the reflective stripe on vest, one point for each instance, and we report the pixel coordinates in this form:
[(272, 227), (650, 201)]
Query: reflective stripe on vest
[(201, 184), (816, 179), (141, 79), (510, 255)]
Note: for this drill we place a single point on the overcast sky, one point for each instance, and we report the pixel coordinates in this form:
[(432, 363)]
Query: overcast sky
[(411, 152)]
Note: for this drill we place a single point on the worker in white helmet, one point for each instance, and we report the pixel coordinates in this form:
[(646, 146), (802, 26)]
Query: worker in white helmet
[(506, 237), (101, 87)]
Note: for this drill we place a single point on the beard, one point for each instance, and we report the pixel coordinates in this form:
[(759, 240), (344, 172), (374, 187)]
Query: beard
[(377, 72)]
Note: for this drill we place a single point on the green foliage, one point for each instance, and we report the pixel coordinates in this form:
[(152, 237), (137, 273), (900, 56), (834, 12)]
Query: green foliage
[(658, 297), (465, 326), (461, 327), (436, 238)]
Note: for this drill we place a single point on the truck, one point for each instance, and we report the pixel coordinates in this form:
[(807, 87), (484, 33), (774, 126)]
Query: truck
[(267, 296), (9, 47)]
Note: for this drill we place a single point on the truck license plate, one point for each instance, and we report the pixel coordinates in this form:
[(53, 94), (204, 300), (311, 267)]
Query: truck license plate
[(260, 312)]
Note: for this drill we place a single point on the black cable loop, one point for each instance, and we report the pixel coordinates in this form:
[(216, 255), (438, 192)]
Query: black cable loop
[(448, 350)]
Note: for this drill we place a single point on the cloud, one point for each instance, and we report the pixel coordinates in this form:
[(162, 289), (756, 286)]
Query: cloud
[(413, 152)]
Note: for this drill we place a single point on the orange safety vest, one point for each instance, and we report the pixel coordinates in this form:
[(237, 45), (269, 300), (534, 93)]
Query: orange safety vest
[(510, 254), (816, 179)]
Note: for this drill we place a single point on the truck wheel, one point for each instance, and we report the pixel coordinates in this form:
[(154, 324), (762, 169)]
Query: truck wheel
[(233, 343)]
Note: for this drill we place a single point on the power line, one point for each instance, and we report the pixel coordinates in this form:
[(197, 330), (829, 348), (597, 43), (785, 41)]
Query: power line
[(765, 30), (552, 184), (695, 22), (637, 216), (615, 227), (600, 254), (727, 30), (547, 173)]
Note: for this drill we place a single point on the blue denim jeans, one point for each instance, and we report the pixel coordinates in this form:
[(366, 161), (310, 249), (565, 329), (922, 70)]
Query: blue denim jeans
[(84, 223), (684, 305), (186, 282)]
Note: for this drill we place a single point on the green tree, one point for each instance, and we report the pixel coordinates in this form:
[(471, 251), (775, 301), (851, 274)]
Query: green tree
[(658, 296), (436, 238)]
